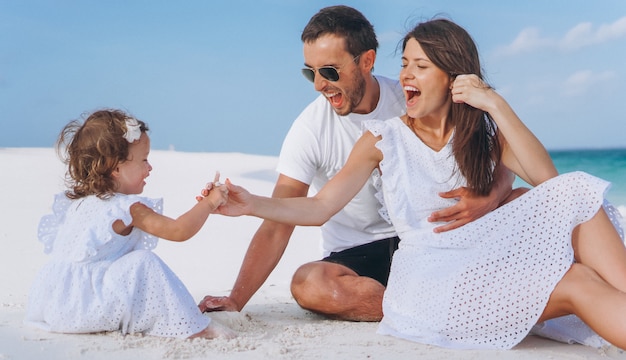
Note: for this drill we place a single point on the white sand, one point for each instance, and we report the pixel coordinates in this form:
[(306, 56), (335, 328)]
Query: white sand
[(270, 326)]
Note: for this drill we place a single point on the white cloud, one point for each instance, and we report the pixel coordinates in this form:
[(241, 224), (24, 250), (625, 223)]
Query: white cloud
[(583, 81), (529, 39), (615, 30), (581, 35)]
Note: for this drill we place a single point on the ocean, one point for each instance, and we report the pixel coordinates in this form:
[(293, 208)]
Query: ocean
[(608, 164)]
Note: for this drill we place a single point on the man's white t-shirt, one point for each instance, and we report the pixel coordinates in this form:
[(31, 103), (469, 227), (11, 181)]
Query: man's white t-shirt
[(316, 148)]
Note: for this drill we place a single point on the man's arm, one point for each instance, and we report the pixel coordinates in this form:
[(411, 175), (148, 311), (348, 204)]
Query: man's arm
[(470, 206), (264, 252)]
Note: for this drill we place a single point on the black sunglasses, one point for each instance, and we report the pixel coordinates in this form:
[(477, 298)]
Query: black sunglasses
[(329, 73)]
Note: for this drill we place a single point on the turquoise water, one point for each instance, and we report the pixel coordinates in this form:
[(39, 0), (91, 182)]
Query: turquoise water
[(608, 164)]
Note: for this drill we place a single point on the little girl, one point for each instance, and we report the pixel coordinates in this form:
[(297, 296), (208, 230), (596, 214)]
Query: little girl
[(102, 275)]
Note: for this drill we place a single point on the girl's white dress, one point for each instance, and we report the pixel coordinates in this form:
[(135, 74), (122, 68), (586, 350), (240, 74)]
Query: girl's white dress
[(483, 285), (98, 280)]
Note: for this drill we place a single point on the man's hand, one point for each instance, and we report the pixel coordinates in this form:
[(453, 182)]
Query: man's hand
[(469, 208), (217, 303)]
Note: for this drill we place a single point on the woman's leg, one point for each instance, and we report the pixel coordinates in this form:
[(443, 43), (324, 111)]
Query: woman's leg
[(601, 306), (515, 193), (598, 245)]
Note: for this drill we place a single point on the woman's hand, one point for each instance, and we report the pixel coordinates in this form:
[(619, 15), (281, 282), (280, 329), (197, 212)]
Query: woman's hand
[(236, 202), (239, 201), (522, 152), (471, 90)]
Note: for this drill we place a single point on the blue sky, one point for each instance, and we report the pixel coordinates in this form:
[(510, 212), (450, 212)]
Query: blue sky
[(225, 76)]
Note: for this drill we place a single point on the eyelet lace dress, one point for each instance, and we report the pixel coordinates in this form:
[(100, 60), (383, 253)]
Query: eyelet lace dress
[(97, 280), (483, 285)]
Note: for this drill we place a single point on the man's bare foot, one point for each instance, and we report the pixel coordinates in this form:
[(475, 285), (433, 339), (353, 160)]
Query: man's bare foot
[(215, 330)]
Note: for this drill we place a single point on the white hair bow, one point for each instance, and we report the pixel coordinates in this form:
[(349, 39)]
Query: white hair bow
[(133, 130)]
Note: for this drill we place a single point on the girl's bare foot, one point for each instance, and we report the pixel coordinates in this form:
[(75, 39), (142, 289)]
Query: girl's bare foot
[(215, 330)]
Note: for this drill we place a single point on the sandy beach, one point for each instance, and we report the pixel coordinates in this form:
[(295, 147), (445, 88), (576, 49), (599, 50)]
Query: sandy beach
[(270, 326)]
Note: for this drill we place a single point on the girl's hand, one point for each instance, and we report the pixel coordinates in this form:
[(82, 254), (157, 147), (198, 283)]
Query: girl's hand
[(218, 196), (471, 90), (205, 191), (215, 192), (210, 185)]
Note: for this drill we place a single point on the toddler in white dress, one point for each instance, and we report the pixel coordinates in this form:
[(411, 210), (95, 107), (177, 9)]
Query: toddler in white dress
[(102, 275)]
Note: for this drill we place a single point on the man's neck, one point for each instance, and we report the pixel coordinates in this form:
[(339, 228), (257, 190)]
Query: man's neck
[(371, 97)]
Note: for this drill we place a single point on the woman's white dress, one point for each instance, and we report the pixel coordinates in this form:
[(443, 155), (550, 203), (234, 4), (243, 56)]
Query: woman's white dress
[(483, 285), (97, 280)]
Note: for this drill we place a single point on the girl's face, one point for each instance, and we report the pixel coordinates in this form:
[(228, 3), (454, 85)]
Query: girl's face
[(426, 87), (130, 175)]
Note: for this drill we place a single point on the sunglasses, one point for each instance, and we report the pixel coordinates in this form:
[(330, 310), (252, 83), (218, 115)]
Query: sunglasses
[(329, 73)]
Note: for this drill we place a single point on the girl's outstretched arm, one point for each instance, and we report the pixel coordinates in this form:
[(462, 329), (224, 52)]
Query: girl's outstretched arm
[(315, 210), (183, 227), (522, 152)]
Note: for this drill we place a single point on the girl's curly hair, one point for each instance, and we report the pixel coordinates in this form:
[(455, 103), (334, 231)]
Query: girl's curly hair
[(92, 150)]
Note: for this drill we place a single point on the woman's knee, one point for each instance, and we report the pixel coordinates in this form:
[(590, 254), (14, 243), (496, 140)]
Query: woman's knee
[(578, 280), (515, 193), (579, 277)]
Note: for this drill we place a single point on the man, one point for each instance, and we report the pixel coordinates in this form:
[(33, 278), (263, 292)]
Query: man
[(339, 52)]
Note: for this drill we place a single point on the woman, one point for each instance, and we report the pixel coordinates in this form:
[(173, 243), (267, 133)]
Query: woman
[(550, 252)]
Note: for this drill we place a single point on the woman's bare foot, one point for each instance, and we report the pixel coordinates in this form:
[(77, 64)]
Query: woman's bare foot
[(215, 330)]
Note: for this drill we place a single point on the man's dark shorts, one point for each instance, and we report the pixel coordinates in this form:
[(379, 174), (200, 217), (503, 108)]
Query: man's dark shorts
[(372, 260)]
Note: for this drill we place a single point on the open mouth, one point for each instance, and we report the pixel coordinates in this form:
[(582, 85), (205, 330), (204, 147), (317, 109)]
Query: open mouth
[(411, 94), (334, 98)]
